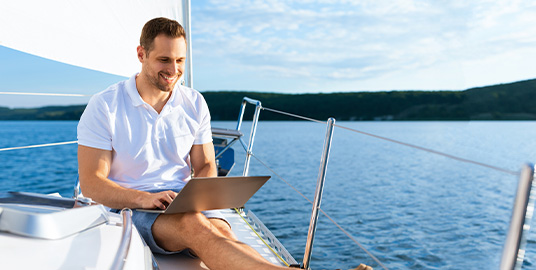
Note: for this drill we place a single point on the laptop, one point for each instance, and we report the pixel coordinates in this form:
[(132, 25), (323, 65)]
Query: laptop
[(209, 193)]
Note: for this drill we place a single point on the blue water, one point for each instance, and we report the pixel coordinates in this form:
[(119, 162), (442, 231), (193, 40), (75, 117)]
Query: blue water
[(411, 209)]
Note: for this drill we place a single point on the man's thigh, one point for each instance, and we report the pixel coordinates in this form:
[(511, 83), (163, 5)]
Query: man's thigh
[(175, 232), (145, 223), (171, 233)]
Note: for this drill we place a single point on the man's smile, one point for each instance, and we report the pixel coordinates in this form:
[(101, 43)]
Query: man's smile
[(169, 79)]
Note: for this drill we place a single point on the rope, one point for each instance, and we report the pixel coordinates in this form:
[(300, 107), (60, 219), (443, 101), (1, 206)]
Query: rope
[(325, 214), (36, 146), (402, 143), (44, 94), (262, 239)]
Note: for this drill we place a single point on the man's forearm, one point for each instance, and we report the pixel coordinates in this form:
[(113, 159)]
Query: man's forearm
[(111, 194), (208, 170), (203, 161), (93, 167)]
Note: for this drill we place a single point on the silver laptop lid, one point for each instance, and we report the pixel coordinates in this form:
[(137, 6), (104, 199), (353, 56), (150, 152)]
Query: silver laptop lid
[(208, 193)]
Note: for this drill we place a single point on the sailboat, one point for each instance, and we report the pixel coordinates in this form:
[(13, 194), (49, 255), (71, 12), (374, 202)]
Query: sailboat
[(46, 231)]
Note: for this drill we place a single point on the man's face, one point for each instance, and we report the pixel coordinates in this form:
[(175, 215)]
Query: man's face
[(164, 64)]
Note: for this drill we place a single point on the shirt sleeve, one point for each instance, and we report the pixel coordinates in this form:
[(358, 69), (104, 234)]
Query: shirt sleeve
[(94, 125), (204, 134)]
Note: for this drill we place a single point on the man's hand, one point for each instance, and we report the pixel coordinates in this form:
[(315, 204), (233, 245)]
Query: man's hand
[(158, 200), (363, 267)]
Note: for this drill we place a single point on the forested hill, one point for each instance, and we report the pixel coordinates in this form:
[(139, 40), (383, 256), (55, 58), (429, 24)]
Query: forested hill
[(512, 101)]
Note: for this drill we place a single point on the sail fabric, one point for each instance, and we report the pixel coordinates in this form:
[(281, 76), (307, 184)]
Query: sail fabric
[(95, 34)]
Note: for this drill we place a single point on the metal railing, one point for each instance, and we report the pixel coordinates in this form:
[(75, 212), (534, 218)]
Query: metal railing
[(321, 174), (124, 245), (514, 249), (318, 193), (514, 246), (258, 108)]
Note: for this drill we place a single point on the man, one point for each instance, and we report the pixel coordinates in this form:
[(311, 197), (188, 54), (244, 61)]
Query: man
[(140, 139)]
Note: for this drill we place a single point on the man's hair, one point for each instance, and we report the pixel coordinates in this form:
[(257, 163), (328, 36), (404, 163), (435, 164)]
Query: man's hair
[(157, 26)]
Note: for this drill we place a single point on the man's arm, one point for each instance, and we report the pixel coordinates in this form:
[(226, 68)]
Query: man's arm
[(203, 160), (94, 166)]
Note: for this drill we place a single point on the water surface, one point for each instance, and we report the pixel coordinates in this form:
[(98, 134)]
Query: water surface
[(410, 208)]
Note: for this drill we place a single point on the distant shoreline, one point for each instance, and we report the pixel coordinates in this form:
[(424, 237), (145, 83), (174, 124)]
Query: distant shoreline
[(512, 101)]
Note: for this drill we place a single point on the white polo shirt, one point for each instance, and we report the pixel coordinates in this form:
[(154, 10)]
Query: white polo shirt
[(149, 150)]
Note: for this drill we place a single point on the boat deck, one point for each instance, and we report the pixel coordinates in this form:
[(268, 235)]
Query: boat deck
[(95, 246)]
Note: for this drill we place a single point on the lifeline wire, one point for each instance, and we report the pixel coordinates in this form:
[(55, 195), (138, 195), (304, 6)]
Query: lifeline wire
[(44, 94), (431, 151), (294, 115), (36, 146), (325, 214), (401, 143)]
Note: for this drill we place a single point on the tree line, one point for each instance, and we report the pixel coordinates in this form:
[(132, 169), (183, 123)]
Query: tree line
[(512, 101)]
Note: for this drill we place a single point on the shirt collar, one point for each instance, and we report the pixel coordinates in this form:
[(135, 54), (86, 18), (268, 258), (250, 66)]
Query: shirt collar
[(136, 99), (173, 93), (132, 91)]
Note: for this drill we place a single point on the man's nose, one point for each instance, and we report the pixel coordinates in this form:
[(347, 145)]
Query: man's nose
[(175, 68)]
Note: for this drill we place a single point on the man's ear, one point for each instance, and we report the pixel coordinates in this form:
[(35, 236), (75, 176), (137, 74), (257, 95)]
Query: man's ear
[(141, 53)]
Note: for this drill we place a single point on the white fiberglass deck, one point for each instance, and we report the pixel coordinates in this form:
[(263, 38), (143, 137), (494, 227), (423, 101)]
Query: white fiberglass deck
[(94, 248)]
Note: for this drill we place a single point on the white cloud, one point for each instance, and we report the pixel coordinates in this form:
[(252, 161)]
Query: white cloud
[(353, 40)]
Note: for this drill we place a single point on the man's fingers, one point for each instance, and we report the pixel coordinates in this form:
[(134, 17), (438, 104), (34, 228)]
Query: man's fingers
[(172, 194), (165, 198), (169, 196), (161, 200), (159, 204)]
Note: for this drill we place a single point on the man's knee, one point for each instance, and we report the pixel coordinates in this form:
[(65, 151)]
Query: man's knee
[(179, 231), (190, 223), (223, 227)]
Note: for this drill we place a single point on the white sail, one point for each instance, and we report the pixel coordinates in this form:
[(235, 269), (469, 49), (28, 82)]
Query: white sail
[(95, 34)]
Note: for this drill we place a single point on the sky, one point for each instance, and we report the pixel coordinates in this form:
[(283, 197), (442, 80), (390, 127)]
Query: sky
[(321, 46)]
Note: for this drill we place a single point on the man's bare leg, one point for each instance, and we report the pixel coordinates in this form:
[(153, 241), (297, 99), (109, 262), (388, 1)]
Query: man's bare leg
[(223, 227), (195, 231)]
